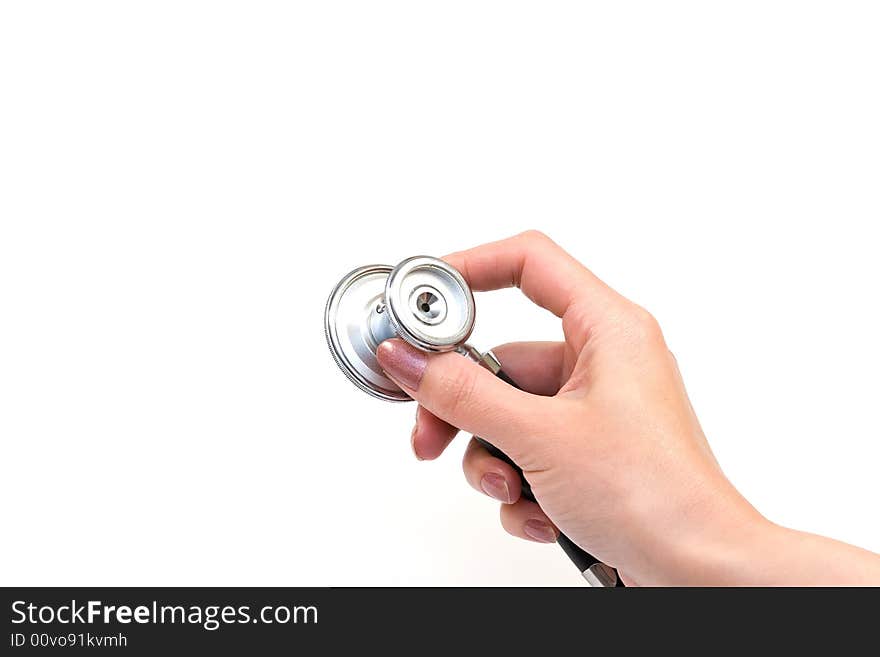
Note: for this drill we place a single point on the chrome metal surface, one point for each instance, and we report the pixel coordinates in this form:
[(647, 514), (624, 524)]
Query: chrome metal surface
[(491, 362), (601, 576), (356, 321), (469, 352), (430, 304)]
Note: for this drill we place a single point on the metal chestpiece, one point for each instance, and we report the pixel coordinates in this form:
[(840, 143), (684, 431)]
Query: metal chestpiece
[(422, 300)]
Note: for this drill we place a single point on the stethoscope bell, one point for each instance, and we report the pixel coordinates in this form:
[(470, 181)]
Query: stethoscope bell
[(423, 300)]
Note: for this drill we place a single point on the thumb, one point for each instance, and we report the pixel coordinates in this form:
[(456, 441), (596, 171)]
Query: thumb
[(466, 396)]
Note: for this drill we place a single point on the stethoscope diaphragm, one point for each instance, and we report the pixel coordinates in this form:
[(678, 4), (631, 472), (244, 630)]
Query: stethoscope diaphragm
[(354, 330)]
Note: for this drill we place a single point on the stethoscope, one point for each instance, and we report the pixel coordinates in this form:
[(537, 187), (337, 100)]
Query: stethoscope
[(428, 303)]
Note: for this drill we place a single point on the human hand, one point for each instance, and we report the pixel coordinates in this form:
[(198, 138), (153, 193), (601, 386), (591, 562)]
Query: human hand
[(603, 429)]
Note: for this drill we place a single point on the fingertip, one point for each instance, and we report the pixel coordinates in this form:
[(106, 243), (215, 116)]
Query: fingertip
[(384, 352), (430, 436), (402, 362), (412, 442), (540, 531), (490, 475), (495, 486), (526, 520)]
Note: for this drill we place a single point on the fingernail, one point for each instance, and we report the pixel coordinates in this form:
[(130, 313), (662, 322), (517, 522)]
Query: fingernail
[(494, 485), (540, 531), (402, 362)]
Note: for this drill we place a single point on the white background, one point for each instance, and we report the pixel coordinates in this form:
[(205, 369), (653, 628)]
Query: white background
[(182, 183)]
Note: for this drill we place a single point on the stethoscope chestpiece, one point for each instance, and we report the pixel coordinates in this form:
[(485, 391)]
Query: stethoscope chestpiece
[(423, 300)]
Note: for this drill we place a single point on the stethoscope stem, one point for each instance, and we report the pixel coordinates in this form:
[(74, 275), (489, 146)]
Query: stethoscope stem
[(592, 570)]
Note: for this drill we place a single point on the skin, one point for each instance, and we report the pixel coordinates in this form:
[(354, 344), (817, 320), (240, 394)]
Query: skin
[(606, 436)]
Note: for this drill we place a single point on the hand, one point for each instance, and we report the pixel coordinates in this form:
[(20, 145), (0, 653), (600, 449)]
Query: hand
[(603, 431)]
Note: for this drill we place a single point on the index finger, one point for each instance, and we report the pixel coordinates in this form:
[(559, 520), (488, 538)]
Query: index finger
[(537, 265)]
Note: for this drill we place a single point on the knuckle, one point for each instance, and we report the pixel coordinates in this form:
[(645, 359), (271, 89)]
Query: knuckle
[(534, 236), (645, 325)]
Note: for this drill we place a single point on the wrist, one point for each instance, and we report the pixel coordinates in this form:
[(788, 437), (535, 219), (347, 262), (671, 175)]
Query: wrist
[(722, 541), (735, 554), (734, 545)]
